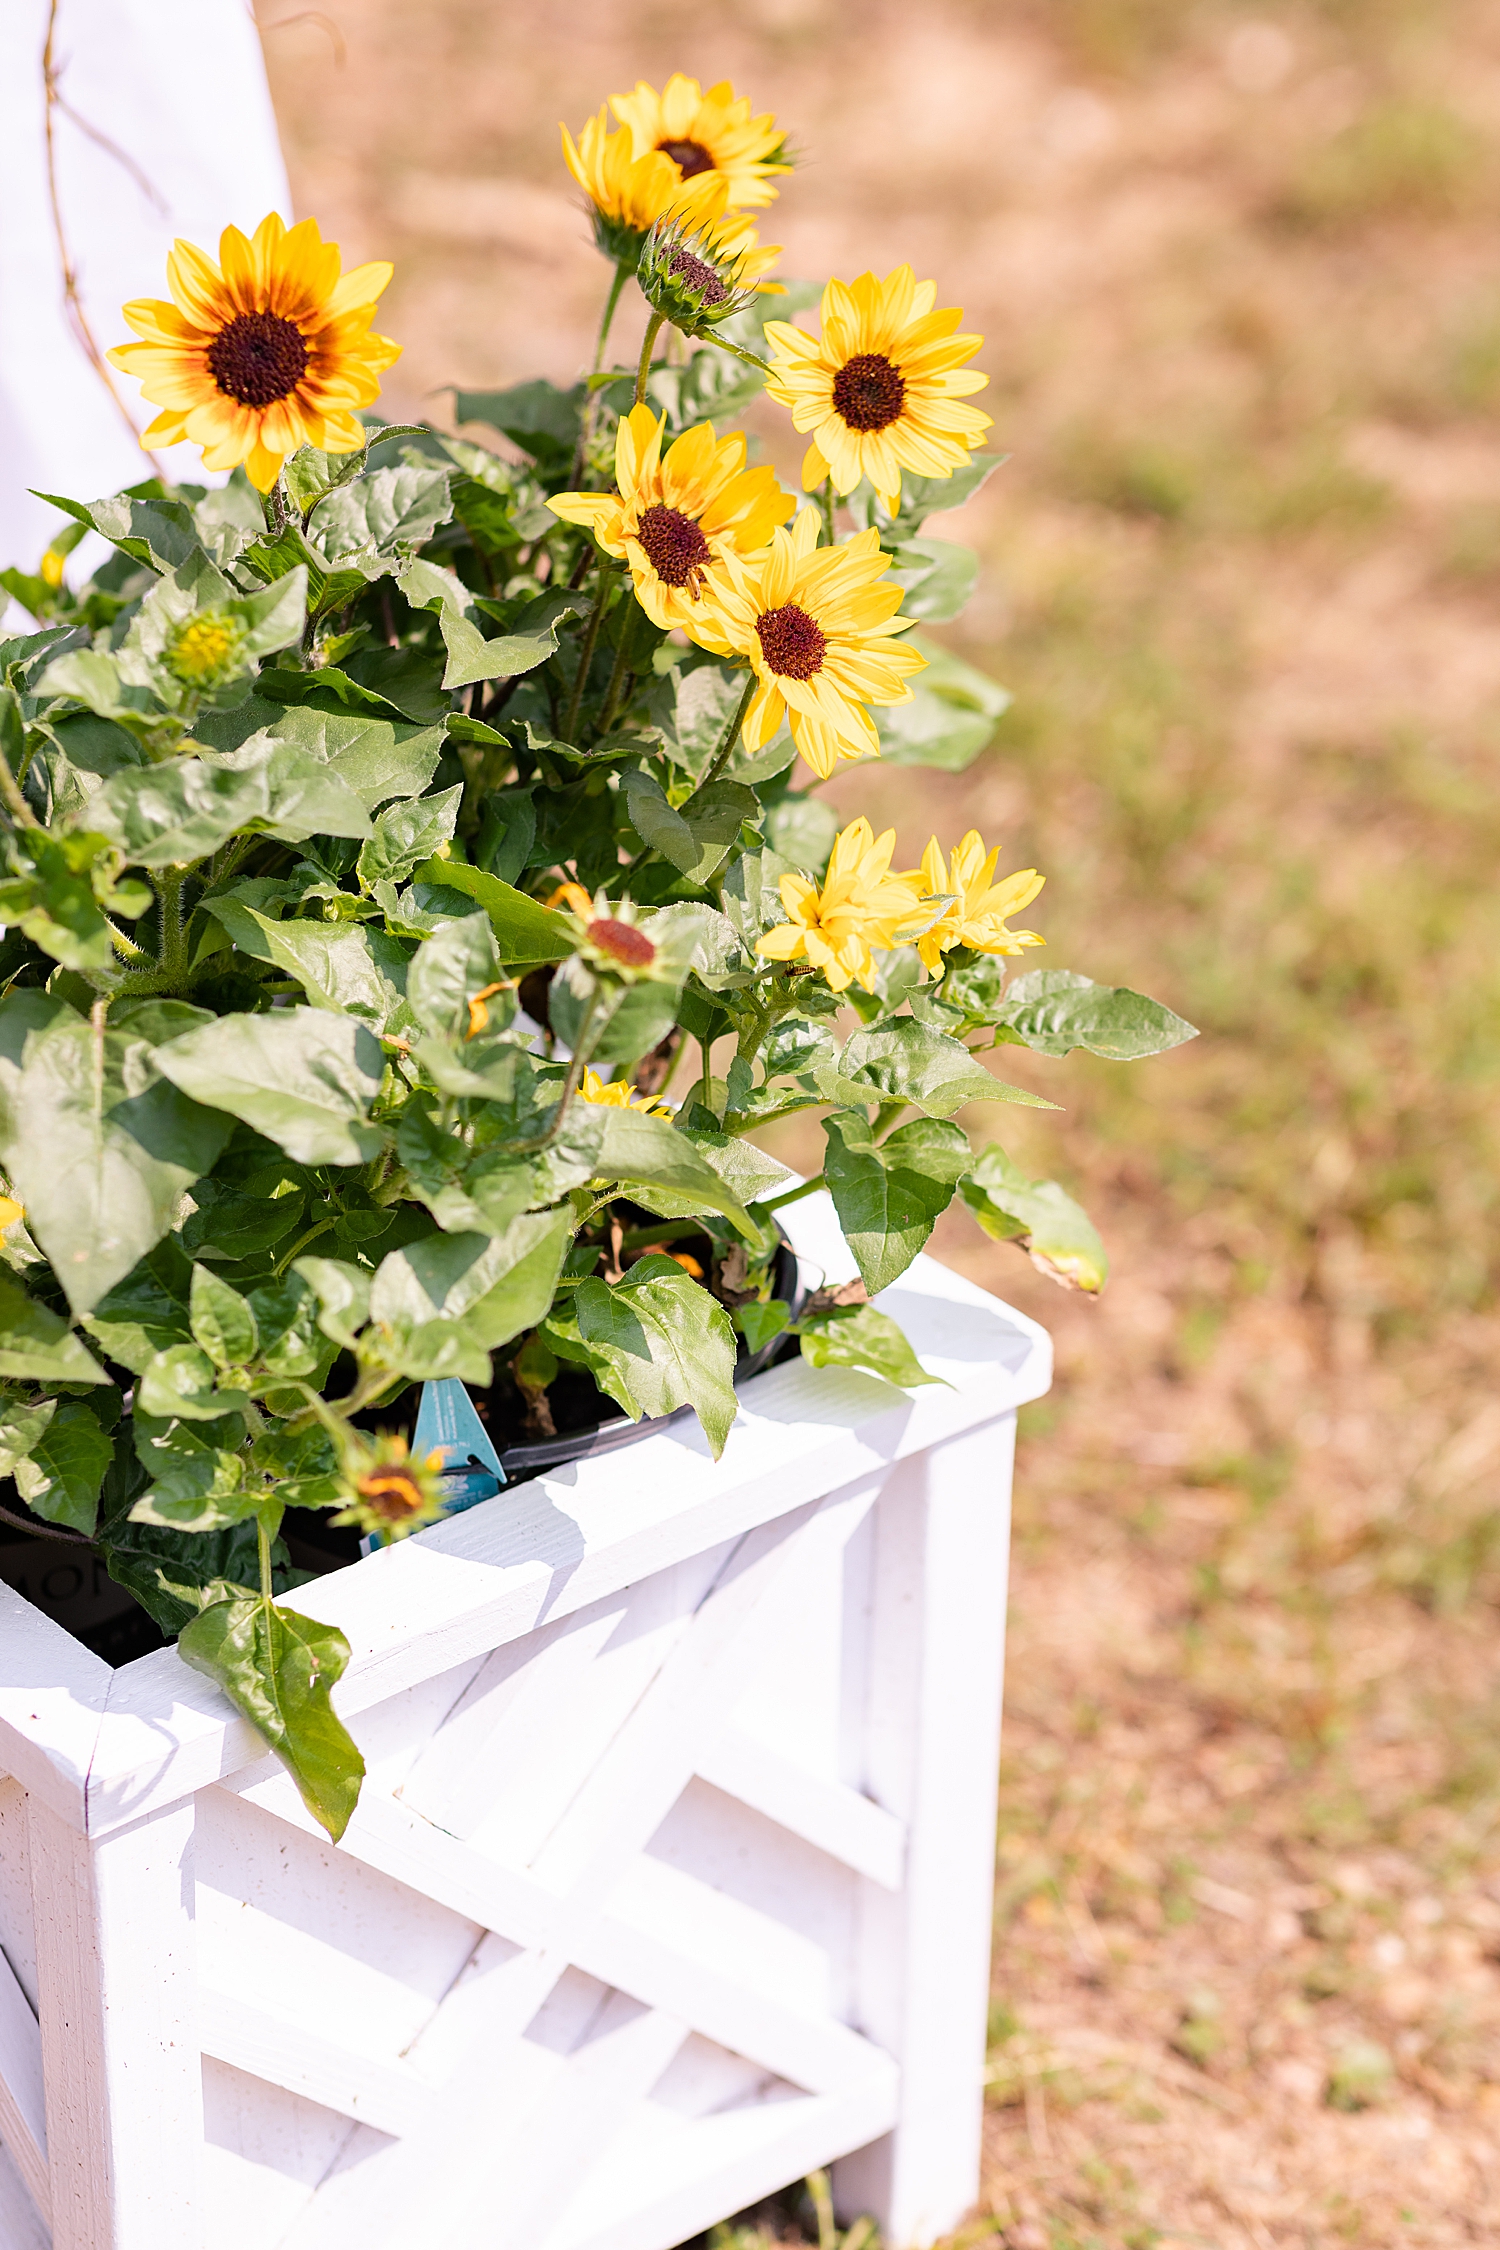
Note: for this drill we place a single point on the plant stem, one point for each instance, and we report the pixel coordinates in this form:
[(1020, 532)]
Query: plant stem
[(591, 403), (301, 1243), (10, 789), (263, 1544), (586, 658), (706, 1075), (613, 697), (653, 329), (825, 501), (725, 751), (793, 1195)]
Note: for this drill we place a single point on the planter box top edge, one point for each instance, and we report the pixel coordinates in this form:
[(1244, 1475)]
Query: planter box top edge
[(113, 1746)]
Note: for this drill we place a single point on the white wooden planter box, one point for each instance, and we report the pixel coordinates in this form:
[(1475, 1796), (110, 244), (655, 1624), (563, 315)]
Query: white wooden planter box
[(670, 1881)]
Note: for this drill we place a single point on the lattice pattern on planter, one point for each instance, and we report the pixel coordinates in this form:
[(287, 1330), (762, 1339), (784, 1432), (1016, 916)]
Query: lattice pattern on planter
[(670, 1878)]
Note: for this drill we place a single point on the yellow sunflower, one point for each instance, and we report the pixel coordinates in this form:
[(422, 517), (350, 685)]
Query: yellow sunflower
[(861, 909), (705, 134), (881, 389), (676, 513), (267, 351), (618, 1093), (818, 631), (980, 906), (630, 192)]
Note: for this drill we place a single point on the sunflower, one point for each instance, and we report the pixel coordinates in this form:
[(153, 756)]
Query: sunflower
[(676, 513), (978, 909), (817, 630), (705, 134), (618, 1093), (697, 276), (880, 389), (630, 192), (267, 351), (390, 1491), (861, 909)]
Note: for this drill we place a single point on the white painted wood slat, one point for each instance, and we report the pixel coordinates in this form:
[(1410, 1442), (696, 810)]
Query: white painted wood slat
[(23, 2117)]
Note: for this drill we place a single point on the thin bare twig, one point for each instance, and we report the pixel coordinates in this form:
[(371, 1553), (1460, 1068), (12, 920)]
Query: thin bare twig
[(71, 298)]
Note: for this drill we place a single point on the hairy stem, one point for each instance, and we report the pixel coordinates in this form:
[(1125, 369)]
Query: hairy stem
[(793, 1195), (653, 330), (825, 502), (586, 658), (725, 751)]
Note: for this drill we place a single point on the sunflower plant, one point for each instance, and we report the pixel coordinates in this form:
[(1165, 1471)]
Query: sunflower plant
[(417, 900)]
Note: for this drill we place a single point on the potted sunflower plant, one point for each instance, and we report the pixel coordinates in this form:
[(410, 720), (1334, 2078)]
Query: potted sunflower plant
[(417, 904)]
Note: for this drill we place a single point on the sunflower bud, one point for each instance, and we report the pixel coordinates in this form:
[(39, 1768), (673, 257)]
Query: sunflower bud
[(691, 279), (206, 650), (390, 1493)]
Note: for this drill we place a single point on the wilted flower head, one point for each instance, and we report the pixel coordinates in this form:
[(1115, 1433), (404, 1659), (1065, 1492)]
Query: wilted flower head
[(391, 1493)]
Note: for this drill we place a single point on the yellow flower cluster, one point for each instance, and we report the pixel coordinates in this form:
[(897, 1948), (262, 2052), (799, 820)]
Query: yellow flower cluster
[(863, 909)]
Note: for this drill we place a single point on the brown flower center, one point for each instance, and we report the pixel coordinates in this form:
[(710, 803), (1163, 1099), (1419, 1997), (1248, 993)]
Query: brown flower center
[(869, 392), (792, 643), (258, 358), (698, 275), (690, 157), (391, 1493), (675, 546), (623, 941)]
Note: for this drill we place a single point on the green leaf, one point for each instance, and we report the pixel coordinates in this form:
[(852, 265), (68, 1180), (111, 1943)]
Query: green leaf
[(486, 1288), (172, 814), (342, 1292), (302, 1077), (180, 1381), (385, 510), (342, 966), (936, 577), (147, 1312), (458, 960), (888, 1197), (466, 1192), (407, 833), (539, 418), (36, 1345), (159, 532), (623, 1022), (1054, 1011), (376, 758), (62, 1477), (639, 1147), (278, 1669), (864, 1337), (97, 1145), (53, 898), (222, 1321), (20, 1428), (654, 1341), (950, 717), (800, 831), (527, 934), (739, 1163), (908, 1061), (922, 497), (760, 1324), (695, 837), (1057, 1234)]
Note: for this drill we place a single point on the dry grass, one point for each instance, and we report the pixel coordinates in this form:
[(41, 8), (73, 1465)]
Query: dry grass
[(1239, 275)]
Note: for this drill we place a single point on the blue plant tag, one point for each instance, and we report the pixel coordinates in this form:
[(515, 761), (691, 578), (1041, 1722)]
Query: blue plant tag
[(448, 1424)]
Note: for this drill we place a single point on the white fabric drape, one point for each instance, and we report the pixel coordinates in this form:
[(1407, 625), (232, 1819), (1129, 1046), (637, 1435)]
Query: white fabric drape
[(178, 87)]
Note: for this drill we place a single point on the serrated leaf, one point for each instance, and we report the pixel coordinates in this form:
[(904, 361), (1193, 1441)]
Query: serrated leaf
[(37, 1345), (487, 1288), (654, 1341), (20, 1428), (278, 1668), (889, 1196), (222, 1321), (406, 833), (1053, 1010), (527, 934), (936, 577), (302, 1077), (96, 1144), (638, 1147), (62, 1477), (341, 966), (384, 510), (1056, 1233), (951, 716), (908, 1061), (696, 836), (862, 1336), (181, 1381), (377, 759), (342, 1292), (458, 960), (159, 532)]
